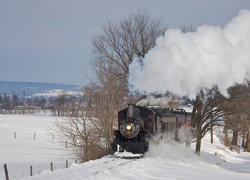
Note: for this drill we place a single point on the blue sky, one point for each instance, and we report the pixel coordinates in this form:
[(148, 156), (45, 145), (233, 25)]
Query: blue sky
[(50, 40)]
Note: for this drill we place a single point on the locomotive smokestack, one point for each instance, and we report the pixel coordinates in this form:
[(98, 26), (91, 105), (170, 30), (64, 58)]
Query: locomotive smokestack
[(130, 112)]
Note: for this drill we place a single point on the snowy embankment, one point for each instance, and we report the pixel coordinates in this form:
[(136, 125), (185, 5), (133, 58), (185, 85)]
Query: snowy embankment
[(164, 161), (167, 160)]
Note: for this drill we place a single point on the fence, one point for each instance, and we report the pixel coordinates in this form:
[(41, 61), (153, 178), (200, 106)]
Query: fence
[(25, 142), (31, 173), (35, 135), (29, 143)]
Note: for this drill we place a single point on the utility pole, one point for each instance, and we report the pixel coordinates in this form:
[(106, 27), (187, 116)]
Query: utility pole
[(23, 101), (13, 100)]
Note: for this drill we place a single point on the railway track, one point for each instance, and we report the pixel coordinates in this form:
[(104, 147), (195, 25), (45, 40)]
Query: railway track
[(107, 165)]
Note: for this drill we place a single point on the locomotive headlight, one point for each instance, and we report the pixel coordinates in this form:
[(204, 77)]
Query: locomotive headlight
[(129, 130), (129, 127)]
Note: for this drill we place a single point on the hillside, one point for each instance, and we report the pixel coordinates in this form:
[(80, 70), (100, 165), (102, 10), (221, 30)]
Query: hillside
[(31, 88)]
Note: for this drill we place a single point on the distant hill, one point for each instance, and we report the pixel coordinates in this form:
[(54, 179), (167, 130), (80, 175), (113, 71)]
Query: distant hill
[(31, 88)]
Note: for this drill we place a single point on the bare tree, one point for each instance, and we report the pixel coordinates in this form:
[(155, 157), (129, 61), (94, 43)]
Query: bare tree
[(212, 109), (240, 121), (6, 102), (121, 42), (78, 130), (187, 27), (59, 104), (80, 135), (105, 100), (209, 108)]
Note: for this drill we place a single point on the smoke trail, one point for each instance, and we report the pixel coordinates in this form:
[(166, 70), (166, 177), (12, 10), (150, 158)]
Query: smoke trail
[(184, 62), (163, 102)]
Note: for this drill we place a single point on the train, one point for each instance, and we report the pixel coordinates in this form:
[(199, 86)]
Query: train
[(138, 125)]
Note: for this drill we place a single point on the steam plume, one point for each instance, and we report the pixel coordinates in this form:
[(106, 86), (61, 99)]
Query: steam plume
[(184, 62)]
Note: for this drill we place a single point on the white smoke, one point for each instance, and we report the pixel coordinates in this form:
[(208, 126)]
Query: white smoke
[(159, 101), (184, 62)]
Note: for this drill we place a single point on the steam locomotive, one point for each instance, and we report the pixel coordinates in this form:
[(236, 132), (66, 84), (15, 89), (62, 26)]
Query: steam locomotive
[(137, 125)]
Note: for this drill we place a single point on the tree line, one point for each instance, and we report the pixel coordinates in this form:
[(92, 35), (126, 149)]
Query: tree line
[(60, 105)]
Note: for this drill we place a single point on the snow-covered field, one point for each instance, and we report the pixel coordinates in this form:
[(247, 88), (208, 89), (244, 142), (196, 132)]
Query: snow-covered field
[(28, 140), (167, 160)]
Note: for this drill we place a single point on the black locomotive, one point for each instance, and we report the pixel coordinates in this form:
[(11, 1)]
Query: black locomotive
[(136, 125)]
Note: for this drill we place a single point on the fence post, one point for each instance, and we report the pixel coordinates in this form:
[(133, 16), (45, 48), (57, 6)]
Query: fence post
[(31, 173), (51, 166), (6, 172), (34, 135), (67, 164), (14, 135), (76, 161)]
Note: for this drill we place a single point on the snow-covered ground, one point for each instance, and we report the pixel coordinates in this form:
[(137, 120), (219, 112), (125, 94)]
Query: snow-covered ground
[(166, 160), (29, 140)]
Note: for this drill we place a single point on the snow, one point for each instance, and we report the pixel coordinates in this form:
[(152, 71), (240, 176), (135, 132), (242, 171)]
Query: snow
[(24, 151), (165, 160), (127, 155), (58, 92)]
